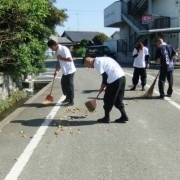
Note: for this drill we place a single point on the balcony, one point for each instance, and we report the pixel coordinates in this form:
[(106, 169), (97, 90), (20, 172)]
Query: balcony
[(112, 15)]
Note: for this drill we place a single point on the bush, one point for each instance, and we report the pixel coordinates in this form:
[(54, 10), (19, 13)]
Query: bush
[(80, 52), (25, 28)]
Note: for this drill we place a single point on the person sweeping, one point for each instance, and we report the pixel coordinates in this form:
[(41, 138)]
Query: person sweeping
[(165, 54), (113, 83), (66, 64)]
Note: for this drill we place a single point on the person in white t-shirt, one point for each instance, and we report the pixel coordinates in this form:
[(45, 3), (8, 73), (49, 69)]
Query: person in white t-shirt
[(141, 62), (113, 83), (66, 64)]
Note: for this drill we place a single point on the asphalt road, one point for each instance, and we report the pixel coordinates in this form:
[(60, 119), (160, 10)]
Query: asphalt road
[(65, 143)]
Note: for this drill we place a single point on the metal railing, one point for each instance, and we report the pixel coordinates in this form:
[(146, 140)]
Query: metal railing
[(158, 22), (134, 20)]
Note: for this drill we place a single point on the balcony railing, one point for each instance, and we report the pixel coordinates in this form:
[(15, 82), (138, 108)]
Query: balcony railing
[(157, 22)]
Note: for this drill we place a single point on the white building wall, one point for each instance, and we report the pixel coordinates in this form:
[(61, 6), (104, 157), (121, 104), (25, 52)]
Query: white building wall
[(165, 8), (170, 9), (112, 14)]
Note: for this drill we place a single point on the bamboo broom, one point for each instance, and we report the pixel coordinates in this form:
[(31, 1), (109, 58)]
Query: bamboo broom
[(149, 92), (91, 105), (49, 98)]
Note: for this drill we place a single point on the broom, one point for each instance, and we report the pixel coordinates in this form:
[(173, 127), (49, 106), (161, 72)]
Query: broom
[(91, 105), (149, 92), (49, 98)]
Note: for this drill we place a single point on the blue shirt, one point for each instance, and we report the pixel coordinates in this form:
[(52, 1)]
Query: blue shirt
[(165, 52)]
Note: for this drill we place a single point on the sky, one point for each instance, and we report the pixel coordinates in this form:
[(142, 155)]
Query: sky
[(85, 15)]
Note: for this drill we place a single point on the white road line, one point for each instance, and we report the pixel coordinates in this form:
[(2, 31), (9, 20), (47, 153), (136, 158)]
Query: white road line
[(166, 98), (152, 78), (24, 157)]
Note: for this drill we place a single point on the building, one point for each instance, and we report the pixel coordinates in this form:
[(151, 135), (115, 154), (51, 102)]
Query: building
[(142, 21), (77, 36), (72, 39), (115, 35)]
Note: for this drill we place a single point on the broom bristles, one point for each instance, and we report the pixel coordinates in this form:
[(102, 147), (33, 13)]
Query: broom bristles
[(90, 106), (46, 102), (149, 92)]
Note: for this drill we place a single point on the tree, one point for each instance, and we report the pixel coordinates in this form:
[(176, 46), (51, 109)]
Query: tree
[(100, 38), (84, 43), (25, 28)]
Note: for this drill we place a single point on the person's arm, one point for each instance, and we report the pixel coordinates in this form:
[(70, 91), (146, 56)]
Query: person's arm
[(135, 52), (59, 57), (147, 60), (104, 82), (158, 56), (58, 67), (158, 60), (174, 53)]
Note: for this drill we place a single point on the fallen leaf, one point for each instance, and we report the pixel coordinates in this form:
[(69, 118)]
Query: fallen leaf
[(56, 132), (49, 141)]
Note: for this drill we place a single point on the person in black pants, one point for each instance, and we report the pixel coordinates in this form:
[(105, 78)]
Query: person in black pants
[(141, 62), (68, 87), (164, 55), (66, 64), (113, 82)]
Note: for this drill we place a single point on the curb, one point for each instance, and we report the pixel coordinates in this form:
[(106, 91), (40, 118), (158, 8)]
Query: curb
[(14, 114)]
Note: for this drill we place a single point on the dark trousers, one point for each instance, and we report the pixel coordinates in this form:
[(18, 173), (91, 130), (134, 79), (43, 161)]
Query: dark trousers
[(114, 95), (162, 78), (67, 84), (139, 72)]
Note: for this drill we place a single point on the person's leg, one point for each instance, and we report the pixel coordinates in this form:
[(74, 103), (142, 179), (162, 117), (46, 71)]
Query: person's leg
[(70, 88), (170, 82), (63, 84), (162, 78), (119, 101), (135, 78), (109, 100), (143, 75)]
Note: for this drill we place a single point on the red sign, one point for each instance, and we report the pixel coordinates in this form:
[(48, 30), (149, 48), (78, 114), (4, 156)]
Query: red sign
[(146, 19)]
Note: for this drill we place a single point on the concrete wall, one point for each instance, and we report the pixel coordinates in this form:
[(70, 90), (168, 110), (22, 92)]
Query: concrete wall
[(8, 85)]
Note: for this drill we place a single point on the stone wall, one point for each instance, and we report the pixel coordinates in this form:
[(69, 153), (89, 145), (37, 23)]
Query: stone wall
[(8, 84)]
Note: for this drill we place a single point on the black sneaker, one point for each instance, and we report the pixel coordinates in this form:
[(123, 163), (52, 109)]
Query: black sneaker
[(168, 95), (133, 88), (122, 119), (103, 120), (161, 97), (143, 89), (65, 101), (69, 104)]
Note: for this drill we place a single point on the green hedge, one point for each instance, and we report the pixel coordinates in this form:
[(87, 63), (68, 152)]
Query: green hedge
[(79, 52)]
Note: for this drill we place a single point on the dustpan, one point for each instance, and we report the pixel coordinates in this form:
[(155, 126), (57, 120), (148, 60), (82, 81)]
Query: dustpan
[(49, 98), (91, 105)]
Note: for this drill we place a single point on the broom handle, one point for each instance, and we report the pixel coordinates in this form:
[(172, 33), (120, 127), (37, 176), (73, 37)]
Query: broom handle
[(52, 85), (157, 75), (98, 94)]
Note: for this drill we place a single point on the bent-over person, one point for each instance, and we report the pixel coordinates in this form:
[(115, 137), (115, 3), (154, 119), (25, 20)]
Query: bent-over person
[(113, 83)]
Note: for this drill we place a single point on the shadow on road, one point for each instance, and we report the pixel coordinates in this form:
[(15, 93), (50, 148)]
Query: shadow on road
[(55, 122), (143, 98)]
